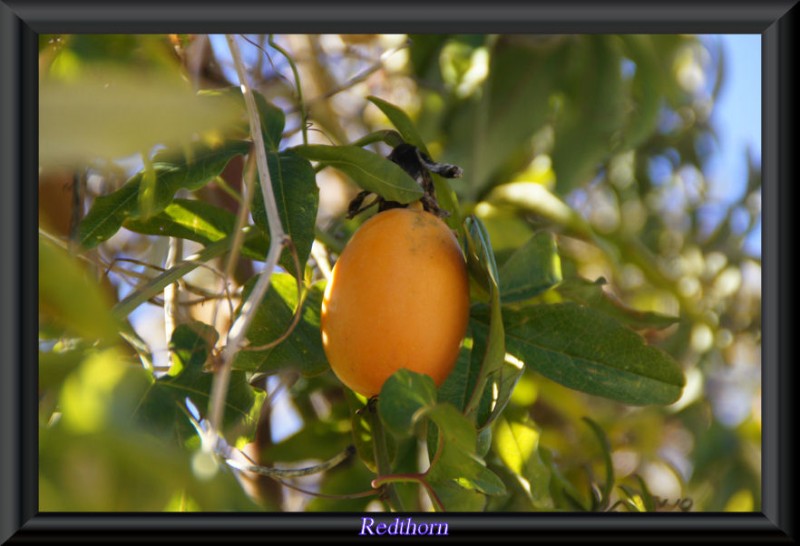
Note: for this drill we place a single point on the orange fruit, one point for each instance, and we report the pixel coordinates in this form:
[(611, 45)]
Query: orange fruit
[(398, 298)]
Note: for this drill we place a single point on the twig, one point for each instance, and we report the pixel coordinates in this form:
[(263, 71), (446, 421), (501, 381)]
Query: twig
[(171, 294), (241, 221), (157, 284), (360, 77), (320, 257), (291, 472), (225, 187), (219, 387), (300, 100)]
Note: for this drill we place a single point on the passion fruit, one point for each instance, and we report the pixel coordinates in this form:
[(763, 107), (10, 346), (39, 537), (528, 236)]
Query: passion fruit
[(398, 298)]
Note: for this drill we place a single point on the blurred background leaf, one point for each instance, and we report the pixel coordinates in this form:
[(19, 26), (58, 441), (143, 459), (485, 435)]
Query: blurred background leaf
[(114, 114)]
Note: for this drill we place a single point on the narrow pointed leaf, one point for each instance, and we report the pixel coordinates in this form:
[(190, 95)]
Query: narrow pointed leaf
[(401, 122), (160, 408), (302, 350), (198, 221), (482, 266), (173, 172), (608, 486), (532, 269), (592, 294), (444, 193), (297, 196), (405, 397), (368, 170), (71, 297), (517, 445), (272, 122), (585, 350), (593, 111)]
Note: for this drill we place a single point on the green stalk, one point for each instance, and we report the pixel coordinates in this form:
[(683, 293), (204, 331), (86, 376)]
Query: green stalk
[(301, 102), (382, 454)]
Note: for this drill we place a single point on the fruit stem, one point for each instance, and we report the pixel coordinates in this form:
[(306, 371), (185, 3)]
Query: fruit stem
[(382, 454)]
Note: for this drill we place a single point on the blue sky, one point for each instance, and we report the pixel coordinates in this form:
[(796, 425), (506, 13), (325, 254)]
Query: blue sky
[(737, 119), (737, 114)]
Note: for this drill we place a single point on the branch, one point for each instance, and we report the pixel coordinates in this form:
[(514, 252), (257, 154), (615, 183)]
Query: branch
[(171, 294), (241, 221), (157, 284), (219, 388)]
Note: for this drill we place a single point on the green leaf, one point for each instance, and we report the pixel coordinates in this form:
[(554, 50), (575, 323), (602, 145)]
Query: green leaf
[(517, 445), (533, 198), (445, 195), (172, 172), (458, 464), (448, 201), (316, 440), (56, 366), (647, 497), (302, 350), (515, 105), (482, 266), (361, 428), (593, 110), (608, 486), (484, 441), (198, 221), (273, 121), (564, 493), (458, 386), (592, 295), (405, 397), (475, 475), (405, 460), (71, 297), (456, 498), (480, 258), (191, 345), (128, 470), (297, 196), (160, 409), (585, 350), (387, 136), (424, 55), (646, 89), (114, 113), (500, 382), (534, 268), (455, 427), (401, 121), (101, 393), (368, 170)]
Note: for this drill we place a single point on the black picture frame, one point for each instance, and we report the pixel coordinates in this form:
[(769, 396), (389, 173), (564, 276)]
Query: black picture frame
[(22, 21)]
